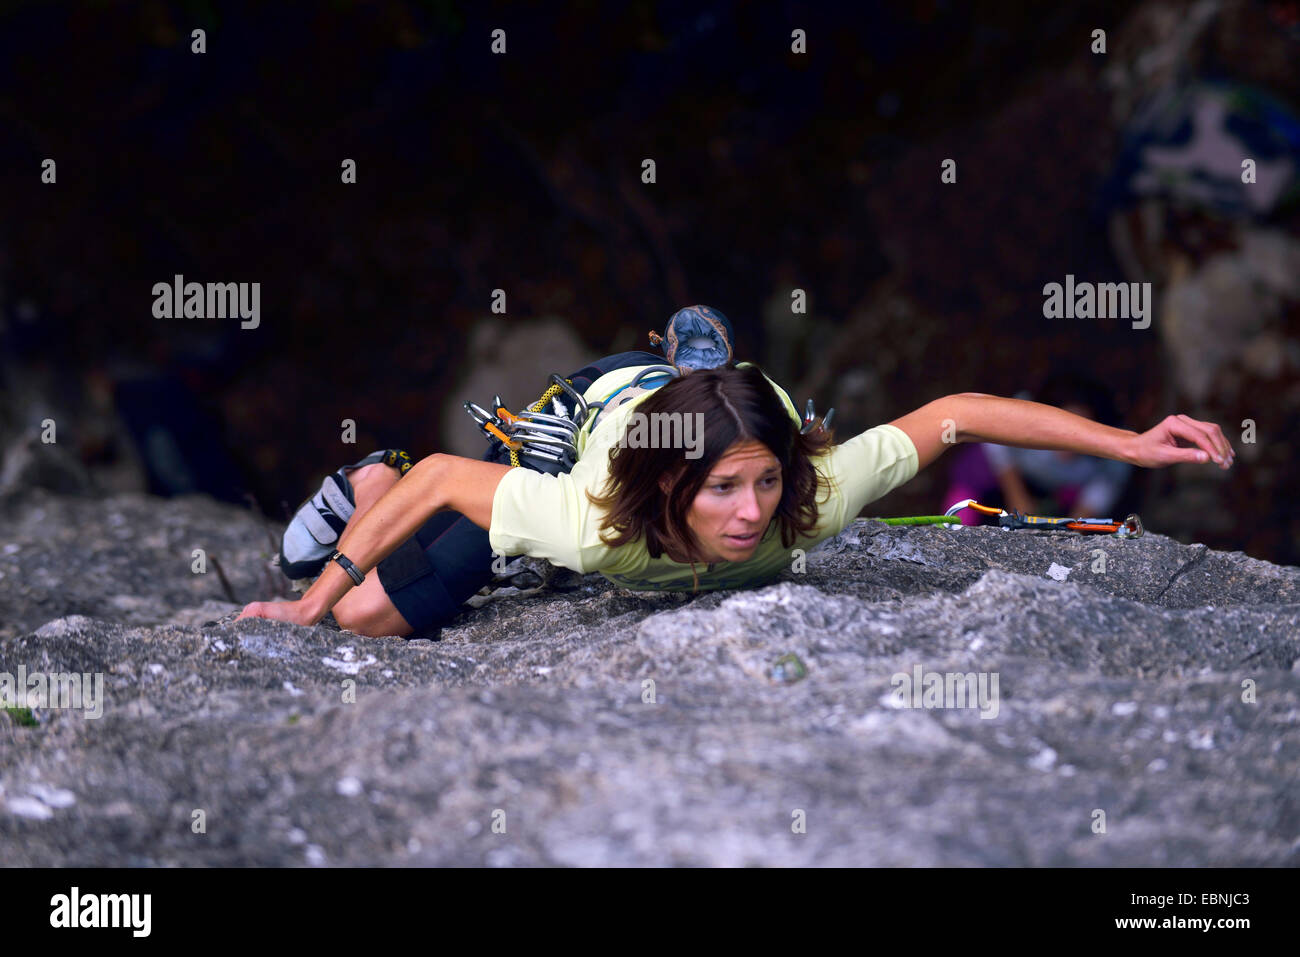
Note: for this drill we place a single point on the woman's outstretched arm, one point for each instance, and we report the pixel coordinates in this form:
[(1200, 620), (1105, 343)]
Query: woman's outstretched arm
[(976, 417), (435, 483)]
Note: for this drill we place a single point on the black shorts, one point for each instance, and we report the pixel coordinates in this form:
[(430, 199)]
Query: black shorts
[(432, 573)]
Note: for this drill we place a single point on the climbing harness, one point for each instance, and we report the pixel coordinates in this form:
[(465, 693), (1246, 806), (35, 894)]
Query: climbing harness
[(1131, 527)]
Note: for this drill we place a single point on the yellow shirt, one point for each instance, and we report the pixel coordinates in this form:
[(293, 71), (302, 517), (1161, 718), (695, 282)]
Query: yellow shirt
[(549, 516)]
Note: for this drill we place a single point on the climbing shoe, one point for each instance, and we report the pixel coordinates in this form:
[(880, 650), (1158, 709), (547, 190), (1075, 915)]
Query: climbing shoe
[(315, 529)]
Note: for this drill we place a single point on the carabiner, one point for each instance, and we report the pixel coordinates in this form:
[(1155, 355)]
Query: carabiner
[(554, 421), (1132, 527), (810, 416), (671, 371), (573, 394)]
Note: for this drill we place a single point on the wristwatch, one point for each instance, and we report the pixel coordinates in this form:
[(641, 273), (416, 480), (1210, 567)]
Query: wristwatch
[(348, 567)]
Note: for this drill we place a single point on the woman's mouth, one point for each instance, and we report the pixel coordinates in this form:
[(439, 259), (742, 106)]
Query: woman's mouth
[(744, 541)]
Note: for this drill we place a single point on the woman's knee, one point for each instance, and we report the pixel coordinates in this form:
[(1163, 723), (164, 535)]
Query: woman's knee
[(377, 474), (367, 610), (369, 484)]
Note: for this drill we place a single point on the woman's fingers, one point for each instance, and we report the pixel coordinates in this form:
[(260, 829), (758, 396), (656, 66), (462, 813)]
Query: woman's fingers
[(1206, 438), (1222, 441), (294, 612), (1180, 438), (252, 610), (1183, 428), (1218, 445), (1163, 444)]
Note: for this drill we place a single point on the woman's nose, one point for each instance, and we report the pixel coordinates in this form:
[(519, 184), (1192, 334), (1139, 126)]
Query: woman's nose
[(748, 508)]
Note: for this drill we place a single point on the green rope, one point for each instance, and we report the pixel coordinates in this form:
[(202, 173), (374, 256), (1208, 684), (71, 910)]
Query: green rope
[(922, 520)]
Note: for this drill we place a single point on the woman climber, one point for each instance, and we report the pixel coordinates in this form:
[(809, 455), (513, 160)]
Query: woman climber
[(647, 516)]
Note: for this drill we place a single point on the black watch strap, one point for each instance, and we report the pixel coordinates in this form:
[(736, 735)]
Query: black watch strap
[(348, 567)]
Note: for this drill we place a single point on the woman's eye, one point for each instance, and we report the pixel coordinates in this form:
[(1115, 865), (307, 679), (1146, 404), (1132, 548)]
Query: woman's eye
[(769, 483)]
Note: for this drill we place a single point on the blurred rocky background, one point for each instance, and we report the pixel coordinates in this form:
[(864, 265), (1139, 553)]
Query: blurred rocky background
[(522, 172)]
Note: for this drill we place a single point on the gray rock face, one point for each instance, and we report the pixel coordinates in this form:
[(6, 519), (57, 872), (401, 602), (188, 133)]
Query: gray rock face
[(1147, 714)]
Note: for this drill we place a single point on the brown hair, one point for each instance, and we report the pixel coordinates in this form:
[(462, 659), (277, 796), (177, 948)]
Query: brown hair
[(737, 405)]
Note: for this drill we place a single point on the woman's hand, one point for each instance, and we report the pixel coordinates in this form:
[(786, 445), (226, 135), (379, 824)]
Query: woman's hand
[(1181, 439), (295, 612)]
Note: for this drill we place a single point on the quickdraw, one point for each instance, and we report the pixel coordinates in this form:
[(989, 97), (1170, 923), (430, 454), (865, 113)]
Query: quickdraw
[(1130, 527), (535, 434)]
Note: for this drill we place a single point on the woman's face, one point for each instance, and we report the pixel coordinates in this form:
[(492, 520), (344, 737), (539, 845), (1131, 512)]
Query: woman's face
[(738, 498)]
